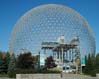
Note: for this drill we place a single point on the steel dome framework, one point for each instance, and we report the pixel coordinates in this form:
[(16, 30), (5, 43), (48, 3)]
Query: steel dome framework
[(47, 23)]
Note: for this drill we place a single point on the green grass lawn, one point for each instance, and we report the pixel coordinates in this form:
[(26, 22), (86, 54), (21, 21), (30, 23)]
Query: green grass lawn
[(3, 75)]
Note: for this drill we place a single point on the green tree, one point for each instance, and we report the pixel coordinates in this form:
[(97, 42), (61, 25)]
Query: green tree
[(97, 63), (90, 65), (12, 66), (0, 58), (7, 59), (87, 68), (25, 61), (3, 66), (0, 55), (49, 62), (93, 65)]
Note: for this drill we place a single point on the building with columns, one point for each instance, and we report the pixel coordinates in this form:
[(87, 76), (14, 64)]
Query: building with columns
[(63, 54)]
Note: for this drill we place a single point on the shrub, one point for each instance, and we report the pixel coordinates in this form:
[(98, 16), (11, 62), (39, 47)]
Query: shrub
[(93, 73), (31, 71), (12, 74), (25, 71)]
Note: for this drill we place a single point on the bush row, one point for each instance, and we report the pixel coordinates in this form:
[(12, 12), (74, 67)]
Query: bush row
[(13, 73)]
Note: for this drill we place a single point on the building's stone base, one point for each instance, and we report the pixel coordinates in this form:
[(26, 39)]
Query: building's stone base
[(53, 76)]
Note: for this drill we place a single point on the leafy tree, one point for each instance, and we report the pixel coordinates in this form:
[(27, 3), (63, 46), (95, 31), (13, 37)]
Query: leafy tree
[(49, 62), (0, 55), (0, 58), (3, 66), (25, 61)]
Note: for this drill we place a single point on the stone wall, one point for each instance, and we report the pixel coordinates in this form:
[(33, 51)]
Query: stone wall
[(53, 76), (37, 76)]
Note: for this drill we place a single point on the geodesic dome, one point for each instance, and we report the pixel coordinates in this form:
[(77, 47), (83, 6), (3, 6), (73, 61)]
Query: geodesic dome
[(46, 23)]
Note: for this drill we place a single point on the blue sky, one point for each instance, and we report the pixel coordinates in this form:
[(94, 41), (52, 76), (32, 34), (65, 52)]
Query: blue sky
[(12, 10)]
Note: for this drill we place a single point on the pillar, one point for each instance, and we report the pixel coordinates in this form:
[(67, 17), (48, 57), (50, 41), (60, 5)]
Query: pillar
[(59, 57), (45, 53), (62, 56)]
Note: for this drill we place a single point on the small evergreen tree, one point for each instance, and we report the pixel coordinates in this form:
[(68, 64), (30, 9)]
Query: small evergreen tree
[(7, 59), (90, 65), (97, 63), (85, 70), (93, 65), (12, 65)]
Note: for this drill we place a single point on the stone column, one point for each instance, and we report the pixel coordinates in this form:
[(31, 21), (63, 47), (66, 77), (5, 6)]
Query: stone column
[(69, 55), (59, 57), (45, 53), (62, 55), (66, 55), (53, 55)]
